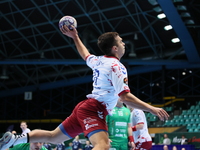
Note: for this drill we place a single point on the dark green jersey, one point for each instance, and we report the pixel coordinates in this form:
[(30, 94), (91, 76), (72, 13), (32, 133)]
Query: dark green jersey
[(118, 124), (24, 146)]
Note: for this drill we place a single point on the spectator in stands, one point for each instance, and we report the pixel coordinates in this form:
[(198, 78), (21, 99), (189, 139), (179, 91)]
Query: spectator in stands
[(24, 127), (165, 147), (174, 148), (88, 146), (166, 140), (47, 146), (69, 147), (60, 146), (76, 144), (183, 140)]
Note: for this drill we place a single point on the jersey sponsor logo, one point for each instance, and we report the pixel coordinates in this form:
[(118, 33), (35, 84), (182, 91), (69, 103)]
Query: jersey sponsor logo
[(100, 114), (89, 120), (121, 124), (126, 81), (87, 126), (117, 130), (122, 130), (118, 135)]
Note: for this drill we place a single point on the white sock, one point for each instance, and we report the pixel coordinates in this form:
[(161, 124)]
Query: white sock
[(23, 138)]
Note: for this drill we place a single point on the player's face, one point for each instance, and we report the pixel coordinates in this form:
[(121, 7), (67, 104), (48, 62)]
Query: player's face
[(23, 126), (121, 46), (36, 146)]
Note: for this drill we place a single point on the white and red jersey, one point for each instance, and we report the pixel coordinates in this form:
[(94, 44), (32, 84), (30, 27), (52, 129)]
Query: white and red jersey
[(138, 117), (109, 79)]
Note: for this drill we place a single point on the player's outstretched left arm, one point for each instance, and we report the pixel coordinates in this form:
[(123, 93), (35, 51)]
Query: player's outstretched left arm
[(133, 101), (83, 51)]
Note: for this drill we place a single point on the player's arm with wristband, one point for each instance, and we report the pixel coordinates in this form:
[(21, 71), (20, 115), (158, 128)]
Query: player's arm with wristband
[(138, 126), (130, 137)]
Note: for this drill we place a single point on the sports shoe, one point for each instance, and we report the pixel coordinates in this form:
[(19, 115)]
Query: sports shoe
[(7, 140)]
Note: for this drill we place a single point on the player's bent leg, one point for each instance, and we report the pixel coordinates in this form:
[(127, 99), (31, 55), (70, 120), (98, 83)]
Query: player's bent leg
[(54, 137), (100, 141)]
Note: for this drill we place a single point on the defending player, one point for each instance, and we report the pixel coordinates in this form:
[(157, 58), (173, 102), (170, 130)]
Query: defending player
[(119, 128)]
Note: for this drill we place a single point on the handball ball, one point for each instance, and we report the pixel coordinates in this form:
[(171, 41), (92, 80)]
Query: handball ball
[(68, 20)]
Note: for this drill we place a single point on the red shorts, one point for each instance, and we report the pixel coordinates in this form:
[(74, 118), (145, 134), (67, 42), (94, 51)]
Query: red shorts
[(144, 145), (88, 116)]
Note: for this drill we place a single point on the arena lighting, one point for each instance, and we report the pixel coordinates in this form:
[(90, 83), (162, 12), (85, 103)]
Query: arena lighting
[(175, 40), (161, 16), (183, 73), (168, 27)]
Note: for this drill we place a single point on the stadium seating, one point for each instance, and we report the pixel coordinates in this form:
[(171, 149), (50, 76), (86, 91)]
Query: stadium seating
[(189, 118)]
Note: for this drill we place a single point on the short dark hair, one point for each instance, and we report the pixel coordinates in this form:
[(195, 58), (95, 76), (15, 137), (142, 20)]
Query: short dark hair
[(106, 41)]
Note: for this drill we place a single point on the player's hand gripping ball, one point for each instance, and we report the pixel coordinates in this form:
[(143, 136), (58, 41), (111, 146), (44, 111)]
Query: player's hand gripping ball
[(68, 21)]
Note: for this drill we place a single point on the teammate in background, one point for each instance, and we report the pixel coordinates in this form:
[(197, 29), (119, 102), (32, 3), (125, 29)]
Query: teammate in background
[(24, 127), (119, 128), (140, 130), (110, 81), (29, 146)]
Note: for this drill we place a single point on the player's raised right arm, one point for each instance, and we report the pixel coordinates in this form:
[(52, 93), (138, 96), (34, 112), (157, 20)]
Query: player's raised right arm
[(83, 51)]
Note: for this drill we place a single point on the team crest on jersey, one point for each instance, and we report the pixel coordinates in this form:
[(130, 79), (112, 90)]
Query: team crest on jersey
[(126, 81)]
